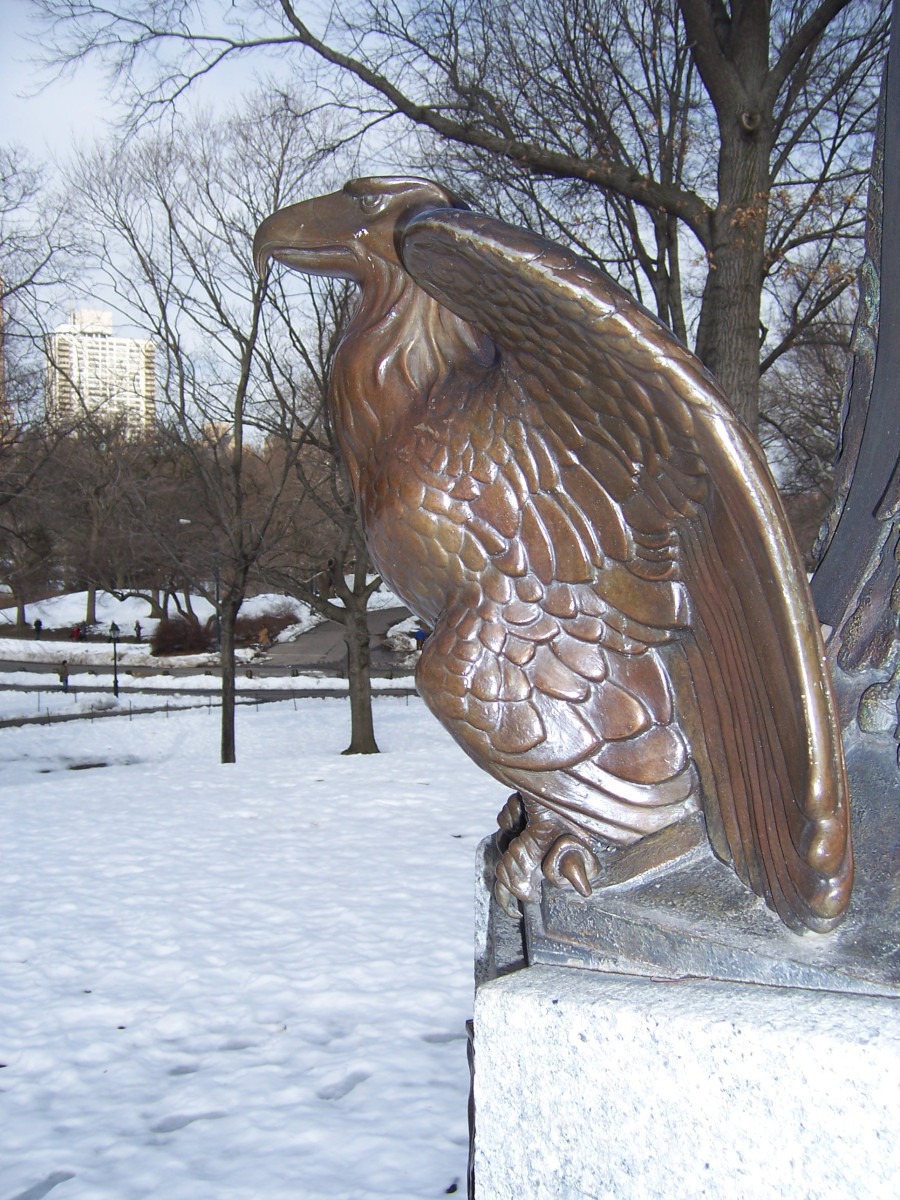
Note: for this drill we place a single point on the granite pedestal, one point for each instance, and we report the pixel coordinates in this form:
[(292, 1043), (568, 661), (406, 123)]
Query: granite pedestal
[(605, 1086), (670, 1038)]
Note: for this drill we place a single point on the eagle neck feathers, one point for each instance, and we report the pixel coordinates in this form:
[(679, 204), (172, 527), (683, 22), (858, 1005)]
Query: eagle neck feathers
[(400, 348)]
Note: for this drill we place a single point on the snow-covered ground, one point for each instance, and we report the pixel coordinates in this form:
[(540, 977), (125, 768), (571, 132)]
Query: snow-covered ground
[(236, 983), (383, 598), (36, 704)]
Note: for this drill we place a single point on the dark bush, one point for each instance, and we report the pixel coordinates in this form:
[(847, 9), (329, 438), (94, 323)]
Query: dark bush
[(175, 635)]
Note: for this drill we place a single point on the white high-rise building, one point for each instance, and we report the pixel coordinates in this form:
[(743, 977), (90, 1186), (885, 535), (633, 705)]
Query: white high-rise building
[(90, 371)]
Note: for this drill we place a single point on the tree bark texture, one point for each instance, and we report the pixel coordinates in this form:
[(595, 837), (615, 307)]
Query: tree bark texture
[(228, 618), (728, 334), (362, 729)]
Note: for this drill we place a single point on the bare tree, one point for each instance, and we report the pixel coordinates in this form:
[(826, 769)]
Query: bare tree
[(33, 245), (801, 402), (97, 545), (26, 516), (171, 219), (800, 416), (321, 555), (33, 253), (723, 145)]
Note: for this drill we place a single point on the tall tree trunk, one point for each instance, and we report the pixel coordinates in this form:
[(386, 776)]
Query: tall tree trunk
[(90, 609), (20, 611), (362, 729), (229, 616), (728, 335)]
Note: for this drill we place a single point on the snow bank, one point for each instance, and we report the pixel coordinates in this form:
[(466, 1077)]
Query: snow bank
[(100, 654), (63, 612), (383, 598)]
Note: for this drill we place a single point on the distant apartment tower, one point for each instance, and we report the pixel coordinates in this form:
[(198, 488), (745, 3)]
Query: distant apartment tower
[(90, 371)]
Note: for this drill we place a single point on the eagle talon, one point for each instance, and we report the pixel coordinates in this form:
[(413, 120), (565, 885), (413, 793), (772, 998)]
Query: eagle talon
[(516, 874), (570, 861), (518, 869), (507, 901), (511, 820), (511, 817)]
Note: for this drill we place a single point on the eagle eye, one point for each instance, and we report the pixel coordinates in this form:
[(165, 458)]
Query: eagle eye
[(371, 203)]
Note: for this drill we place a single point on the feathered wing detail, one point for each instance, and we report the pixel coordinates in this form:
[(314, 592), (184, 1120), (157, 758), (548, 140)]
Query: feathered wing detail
[(531, 666), (781, 790), (552, 710), (680, 505)]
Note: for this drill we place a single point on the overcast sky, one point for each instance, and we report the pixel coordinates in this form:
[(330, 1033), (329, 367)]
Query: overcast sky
[(45, 123), (48, 119), (77, 107)]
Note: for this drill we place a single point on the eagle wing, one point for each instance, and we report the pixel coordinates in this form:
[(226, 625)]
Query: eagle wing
[(680, 496)]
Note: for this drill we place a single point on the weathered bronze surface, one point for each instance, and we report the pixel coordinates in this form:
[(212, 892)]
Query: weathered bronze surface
[(622, 631), (694, 918), (856, 586)]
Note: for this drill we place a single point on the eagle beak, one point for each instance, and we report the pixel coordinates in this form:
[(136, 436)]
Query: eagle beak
[(315, 237)]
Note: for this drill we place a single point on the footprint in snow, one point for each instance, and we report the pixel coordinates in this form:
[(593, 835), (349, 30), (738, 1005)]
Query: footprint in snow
[(180, 1120), (38, 1190), (335, 1091)]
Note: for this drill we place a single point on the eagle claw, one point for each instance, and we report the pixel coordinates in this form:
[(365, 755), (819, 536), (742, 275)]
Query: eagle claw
[(511, 817), (507, 901), (516, 871), (569, 860), (544, 847)]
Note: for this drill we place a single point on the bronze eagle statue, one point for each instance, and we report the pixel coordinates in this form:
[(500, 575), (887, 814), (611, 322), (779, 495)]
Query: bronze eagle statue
[(622, 630)]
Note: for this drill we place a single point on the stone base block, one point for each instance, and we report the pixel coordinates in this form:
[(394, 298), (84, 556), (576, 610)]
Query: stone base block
[(609, 1086)]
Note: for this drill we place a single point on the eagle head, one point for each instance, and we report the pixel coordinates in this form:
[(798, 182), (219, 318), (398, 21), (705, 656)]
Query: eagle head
[(351, 234), (400, 344)]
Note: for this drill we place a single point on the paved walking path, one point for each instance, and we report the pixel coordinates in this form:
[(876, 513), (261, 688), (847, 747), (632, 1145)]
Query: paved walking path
[(324, 646)]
